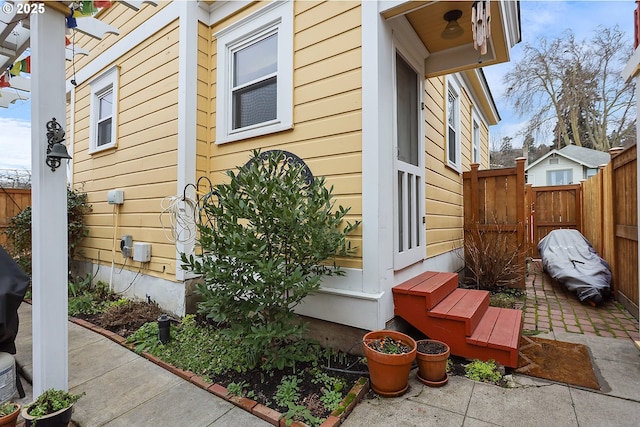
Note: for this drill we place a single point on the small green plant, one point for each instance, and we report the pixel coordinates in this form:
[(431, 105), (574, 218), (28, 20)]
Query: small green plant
[(389, 345), (240, 389), (486, 372), (7, 408), (51, 401), (449, 365), (331, 399), (288, 391), (302, 413), (86, 298)]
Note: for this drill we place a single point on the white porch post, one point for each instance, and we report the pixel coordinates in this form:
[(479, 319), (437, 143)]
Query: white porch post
[(49, 206)]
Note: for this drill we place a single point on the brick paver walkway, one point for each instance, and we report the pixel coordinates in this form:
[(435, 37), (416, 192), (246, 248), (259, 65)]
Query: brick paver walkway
[(549, 306)]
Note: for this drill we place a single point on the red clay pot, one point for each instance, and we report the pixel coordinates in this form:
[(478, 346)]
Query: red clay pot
[(389, 373), (11, 419), (432, 368)]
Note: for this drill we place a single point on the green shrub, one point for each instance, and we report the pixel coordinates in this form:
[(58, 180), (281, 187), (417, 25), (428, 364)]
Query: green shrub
[(273, 237), (19, 229)]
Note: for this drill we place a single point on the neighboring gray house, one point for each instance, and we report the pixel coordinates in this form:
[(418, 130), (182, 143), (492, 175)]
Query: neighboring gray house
[(569, 165)]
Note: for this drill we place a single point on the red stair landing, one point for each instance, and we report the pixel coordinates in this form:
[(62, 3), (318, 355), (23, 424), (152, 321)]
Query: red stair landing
[(462, 318)]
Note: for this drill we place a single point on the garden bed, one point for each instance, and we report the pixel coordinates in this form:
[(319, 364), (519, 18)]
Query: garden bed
[(311, 392)]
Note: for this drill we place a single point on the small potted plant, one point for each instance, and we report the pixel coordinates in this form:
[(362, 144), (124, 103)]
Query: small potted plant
[(432, 358), (390, 355), (9, 414), (52, 408)]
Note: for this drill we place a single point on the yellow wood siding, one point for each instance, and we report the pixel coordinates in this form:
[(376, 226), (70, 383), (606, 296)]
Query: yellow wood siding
[(327, 117), (443, 191), (144, 163)]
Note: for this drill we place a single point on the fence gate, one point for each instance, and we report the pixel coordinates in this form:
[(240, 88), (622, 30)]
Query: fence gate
[(12, 201), (552, 208)]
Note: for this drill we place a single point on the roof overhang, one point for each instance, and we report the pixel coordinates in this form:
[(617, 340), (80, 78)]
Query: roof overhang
[(459, 54)]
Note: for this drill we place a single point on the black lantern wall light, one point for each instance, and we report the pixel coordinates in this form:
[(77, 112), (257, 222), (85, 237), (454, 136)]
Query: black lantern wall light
[(56, 150)]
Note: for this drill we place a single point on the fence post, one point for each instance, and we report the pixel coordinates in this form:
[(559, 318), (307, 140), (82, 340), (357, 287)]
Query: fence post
[(474, 192), (520, 214)]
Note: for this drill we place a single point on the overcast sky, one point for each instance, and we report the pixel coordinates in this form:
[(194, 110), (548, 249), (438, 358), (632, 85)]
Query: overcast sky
[(538, 18), (550, 19)]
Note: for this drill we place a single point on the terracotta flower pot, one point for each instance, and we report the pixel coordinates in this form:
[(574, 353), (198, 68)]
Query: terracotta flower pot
[(59, 418), (432, 356), (389, 373), (11, 419)]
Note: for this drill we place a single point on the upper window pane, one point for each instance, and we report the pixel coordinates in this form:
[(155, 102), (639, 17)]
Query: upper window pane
[(407, 114), (255, 61), (106, 105)]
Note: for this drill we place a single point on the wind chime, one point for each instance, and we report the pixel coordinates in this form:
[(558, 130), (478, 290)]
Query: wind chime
[(481, 25)]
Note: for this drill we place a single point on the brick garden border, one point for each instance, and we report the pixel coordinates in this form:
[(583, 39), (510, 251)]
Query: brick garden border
[(355, 395)]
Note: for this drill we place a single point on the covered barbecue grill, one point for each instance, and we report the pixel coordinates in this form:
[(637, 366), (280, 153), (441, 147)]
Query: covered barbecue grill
[(570, 259), (13, 285)]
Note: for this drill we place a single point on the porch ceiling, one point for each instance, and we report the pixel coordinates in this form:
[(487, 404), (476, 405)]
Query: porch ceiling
[(450, 56)]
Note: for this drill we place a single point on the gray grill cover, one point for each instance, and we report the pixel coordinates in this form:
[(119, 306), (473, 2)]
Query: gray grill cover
[(570, 259), (13, 285)]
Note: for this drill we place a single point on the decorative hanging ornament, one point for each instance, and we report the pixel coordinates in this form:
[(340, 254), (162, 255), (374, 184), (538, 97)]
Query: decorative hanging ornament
[(481, 24), (4, 80)]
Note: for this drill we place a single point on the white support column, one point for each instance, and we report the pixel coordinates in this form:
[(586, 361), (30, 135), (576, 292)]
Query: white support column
[(187, 113), (49, 206)]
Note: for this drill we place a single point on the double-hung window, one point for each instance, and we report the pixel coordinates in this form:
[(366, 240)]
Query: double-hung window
[(254, 94), (103, 125), (475, 136), (453, 128)]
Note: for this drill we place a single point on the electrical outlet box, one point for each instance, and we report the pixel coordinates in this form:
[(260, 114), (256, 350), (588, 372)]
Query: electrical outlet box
[(126, 244), (115, 197), (142, 251)]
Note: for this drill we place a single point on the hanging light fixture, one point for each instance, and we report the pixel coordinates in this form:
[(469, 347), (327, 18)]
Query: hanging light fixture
[(453, 29)]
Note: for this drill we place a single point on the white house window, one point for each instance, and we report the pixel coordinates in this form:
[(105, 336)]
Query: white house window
[(254, 94), (104, 96), (453, 128), (560, 177), (475, 148), (591, 172), (553, 161)]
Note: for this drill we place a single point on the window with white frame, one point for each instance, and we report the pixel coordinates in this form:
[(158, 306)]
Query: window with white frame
[(104, 112), (475, 146), (453, 128), (560, 177), (254, 94)]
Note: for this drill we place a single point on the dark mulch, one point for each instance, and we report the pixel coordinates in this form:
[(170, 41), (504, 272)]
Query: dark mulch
[(125, 319)]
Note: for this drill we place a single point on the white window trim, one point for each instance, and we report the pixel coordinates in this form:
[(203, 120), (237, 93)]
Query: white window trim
[(276, 16), (453, 86), (107, 81), (476, 137)]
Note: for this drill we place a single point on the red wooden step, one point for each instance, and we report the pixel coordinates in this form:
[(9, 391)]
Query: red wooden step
[(465, 305), (499, 329), (433, 286), (462, 318)]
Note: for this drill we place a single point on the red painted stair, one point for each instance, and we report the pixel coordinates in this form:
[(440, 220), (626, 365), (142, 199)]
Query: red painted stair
[(462, 318)]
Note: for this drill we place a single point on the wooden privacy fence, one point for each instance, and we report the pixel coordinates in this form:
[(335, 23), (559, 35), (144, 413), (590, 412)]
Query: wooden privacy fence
[(551, 208), (12, 201), (494, 200), (610, 217)]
